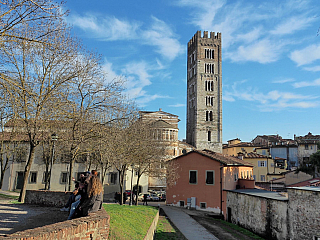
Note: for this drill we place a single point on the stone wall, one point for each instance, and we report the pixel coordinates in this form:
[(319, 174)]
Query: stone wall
[(47, 198), (264, 216), (95, 226), (304, 213)]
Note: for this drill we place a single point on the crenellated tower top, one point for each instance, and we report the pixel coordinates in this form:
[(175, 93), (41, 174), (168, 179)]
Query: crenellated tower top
[(197, 35)]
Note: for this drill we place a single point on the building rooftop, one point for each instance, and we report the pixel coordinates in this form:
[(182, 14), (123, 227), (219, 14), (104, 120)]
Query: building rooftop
[(225, 159), (314, 189), (262, 193)]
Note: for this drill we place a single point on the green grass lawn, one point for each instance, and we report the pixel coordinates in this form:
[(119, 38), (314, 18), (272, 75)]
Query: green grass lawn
[(129, 222)]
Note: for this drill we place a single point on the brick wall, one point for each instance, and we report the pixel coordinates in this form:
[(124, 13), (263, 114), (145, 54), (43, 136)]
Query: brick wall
[(95, 226), (47, 198)]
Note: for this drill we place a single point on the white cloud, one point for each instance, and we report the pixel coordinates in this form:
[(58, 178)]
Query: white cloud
[(271, 101), (178, 105), (144, 99), (137, 74), (108, 69), (292, 24), (204, 12), (264, 51), (286, 80), (314, 83), (306, 55), (109, 28), (251, 36), (162, 37), (106, 28), (312, 69)]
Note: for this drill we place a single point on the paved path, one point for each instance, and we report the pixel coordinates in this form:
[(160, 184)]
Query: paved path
[(187, 225)]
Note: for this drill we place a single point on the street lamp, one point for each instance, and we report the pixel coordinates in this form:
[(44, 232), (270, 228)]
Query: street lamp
[(54, 138), (131, 185)]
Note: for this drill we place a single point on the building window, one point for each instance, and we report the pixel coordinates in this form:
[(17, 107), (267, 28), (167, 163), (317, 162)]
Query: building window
[(33, 177), (209, 68), (236, 176), (209, 53), (263, 178), (209, 116), (193, 177), (113, 177), (203, 205), (254, 177), (262, 163), (306, 146), (64, 177), (210, 177), (209, 136), (209, 101), (208, 85), (181, 203)]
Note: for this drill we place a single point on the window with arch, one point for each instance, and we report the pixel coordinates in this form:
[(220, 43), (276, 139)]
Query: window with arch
[(209, 101), (209, 68), (209, 136), (208, 85), (209, 53), (209, 116)]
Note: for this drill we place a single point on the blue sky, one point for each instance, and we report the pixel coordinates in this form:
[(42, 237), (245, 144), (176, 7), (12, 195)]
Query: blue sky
[(270, 57)]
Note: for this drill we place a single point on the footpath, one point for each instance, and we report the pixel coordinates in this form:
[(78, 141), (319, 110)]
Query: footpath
[(187, 225)]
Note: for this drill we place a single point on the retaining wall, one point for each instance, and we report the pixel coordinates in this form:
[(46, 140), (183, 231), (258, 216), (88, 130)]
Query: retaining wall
[(47, 198), (95, 226)]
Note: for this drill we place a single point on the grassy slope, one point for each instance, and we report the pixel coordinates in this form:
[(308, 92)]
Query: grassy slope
[(129, 222)]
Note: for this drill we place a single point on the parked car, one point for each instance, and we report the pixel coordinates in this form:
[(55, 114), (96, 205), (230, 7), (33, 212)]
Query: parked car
[(162, 197), (128, 192), (154, 197), (141, 197)]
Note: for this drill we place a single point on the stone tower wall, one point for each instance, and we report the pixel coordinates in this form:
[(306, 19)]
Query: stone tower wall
[(204, 93)]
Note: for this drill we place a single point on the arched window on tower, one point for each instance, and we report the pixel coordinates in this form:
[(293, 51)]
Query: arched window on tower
[(209, 136)]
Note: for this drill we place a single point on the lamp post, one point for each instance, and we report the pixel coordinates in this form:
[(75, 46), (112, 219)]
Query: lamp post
[(131, 185), (54, 138)]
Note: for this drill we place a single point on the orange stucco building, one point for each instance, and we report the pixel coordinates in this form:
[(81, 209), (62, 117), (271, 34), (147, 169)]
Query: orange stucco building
[(203, 175)]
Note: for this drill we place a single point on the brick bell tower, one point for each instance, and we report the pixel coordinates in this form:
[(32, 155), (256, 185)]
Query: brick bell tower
[(204, 92)]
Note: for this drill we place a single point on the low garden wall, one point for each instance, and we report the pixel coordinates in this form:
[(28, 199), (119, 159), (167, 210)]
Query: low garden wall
[(94, 226), (47, 198)]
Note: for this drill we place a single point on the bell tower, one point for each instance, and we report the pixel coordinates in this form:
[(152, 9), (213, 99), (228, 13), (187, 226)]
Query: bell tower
[(204, 92)]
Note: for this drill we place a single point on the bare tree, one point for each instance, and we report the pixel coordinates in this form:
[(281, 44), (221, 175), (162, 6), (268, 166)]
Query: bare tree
[(92, 103), (35, 76), (15, 14), (147, 152)]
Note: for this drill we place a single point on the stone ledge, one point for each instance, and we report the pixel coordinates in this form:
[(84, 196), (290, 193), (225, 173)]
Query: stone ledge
[(152, 228), (94, 226), (47, 198)]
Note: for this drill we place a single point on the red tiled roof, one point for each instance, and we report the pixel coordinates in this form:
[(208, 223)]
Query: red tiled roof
[(307, 183), (224, 159)]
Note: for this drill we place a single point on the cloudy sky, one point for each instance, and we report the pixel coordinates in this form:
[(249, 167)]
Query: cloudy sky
[(270, 53)]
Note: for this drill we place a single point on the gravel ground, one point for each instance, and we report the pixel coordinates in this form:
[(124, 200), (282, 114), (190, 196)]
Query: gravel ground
[(19, 217)]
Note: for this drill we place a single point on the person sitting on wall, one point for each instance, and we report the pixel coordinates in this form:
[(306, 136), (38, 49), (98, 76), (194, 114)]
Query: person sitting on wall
[(74, 196), (82, 193), (92, 202)]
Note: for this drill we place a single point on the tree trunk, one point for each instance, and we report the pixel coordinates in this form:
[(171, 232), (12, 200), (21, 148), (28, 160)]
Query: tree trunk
[(46, 176), (26, 172), (138, 180), (4, 167), (70, 172)]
